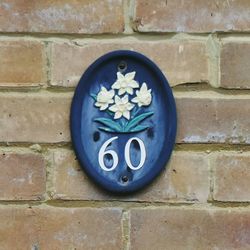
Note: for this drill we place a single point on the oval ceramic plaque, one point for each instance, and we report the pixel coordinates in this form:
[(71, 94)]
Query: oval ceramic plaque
[(123, 121)]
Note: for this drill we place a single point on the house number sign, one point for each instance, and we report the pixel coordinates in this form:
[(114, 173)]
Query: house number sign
[(123, 121)]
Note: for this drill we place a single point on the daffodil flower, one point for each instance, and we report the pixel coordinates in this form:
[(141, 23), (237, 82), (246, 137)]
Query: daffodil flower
[(125, 83), (121, 107), (104, 98), (143, 96)]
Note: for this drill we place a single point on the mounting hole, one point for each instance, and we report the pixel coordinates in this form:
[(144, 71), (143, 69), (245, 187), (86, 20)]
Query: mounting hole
[(124, 178), (122, 66)]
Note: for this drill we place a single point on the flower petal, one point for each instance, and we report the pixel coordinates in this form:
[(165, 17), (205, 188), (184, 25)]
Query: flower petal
[(126, 114), (98, 104), (133, 84), (120, 76), (129, 90), (111, 93), (144, 87), (116, 85), (117, 99), (130, 75), (118, 115), (121, 91), (103, 107), (135, 99), (124, 99), (103, 89), (110, 101), (130, 106), (113, 108)]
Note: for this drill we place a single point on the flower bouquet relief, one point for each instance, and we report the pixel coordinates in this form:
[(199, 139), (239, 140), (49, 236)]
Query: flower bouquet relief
[(123, 105)]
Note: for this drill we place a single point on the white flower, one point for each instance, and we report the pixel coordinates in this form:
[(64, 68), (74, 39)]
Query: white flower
[(121, 107), (143, 96), (104, 98), (125, 83)]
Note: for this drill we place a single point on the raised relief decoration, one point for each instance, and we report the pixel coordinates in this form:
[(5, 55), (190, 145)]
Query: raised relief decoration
[(117, 102), (123, 121)]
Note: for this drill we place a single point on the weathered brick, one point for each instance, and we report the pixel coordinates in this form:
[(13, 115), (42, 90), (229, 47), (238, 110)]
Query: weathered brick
[(186, 179), (62, 16), (22, 63), (180, 228), (34, 117), (204, 117), (69, 180), (191, 16), (182, 62), (213, 119), (232, 177), (23, 176), (234, 65), (60, 228)]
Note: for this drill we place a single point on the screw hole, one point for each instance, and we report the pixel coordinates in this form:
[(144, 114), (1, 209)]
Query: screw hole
[(122, 66), (96, 136), (124, 178)]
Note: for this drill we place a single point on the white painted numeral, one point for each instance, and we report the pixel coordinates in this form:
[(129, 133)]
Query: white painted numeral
[(102, 153), (114, 155), (127, 153)]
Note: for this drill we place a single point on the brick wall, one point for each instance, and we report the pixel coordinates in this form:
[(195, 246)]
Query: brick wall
[(202, 199)]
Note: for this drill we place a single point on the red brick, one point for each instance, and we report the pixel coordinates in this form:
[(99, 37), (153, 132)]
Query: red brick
[(191, 16), (180, 228), (186, 179), (22, 63), (234, 65), (215, 119), (34, 117), (69, 180), (60, 228), (62, 16), (182, 62), (232, 177), (204, 117), (23, 176)]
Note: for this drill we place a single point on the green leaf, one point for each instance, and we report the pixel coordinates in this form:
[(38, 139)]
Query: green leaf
[(111, 124), (94, 96), (106, 129), (135, 121), (139, 128), (109, 112)]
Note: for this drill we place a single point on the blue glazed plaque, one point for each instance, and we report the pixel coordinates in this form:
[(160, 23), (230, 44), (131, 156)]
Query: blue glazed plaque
[(123, 121)]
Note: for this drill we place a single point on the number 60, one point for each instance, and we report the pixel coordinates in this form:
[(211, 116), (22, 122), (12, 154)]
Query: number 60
[(114, 155)]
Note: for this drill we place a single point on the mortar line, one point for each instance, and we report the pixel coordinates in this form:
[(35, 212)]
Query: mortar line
[(126, 13), (125, 229), (195, 147), (50, 174), (48, 62), (210, 160), (150, 35), (127, 205), (140, 36), (213, 51), (235, 36), (187, 90), (43, 145)]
